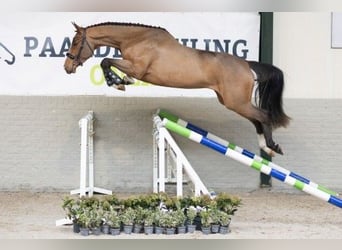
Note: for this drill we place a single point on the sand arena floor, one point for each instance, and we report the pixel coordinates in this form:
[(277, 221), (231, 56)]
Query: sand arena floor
[(264, 214)]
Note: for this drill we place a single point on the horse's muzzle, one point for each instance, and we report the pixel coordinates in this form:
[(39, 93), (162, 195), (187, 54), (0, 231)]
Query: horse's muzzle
[(70, 68)]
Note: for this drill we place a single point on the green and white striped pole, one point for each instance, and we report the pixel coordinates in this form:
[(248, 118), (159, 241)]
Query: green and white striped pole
[(192, 127), (260, 166)]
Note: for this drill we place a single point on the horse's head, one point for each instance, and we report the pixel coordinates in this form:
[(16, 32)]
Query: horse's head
[(79, 51)]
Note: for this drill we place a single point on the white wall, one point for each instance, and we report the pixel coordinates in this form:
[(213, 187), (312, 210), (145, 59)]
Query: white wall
[(302, 49)]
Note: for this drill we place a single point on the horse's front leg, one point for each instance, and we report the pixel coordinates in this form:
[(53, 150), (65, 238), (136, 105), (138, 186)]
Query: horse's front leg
[(111, 77)]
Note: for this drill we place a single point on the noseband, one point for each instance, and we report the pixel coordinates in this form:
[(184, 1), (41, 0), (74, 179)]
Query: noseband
[(76, 58)]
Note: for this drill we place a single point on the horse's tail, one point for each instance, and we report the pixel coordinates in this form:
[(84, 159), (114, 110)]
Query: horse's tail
[(270, 89)]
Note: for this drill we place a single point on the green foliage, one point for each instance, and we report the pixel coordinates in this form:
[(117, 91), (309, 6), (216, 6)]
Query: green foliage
[(89, 202), (144, 209), (106, 206), (113, 200), (140, 214), (84, 218), (95, 216), (214, 214), (205, 217), (114, 219), (168, 219), (149, 219), (180, 217), (73, 208), (149, 201), (227, 203), (158, 214), (224, 218), (191, 213), (128, 216)]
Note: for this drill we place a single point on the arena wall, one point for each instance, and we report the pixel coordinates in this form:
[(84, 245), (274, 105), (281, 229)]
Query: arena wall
[(302, 48), (40, 145)]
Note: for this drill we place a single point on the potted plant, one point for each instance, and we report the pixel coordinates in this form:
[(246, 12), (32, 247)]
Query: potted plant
[(224, 222), (105, 219), (72, 209), (114, 222), (149, 221), (140, 215), (214, 218), (205, 220), (191, 213), (127, 217), (84, 222), (180, 220), (168, 220), (204, 200), (227, 203), (158, 220), (95, 216)]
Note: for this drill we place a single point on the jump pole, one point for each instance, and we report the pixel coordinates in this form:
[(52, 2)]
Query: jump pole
[(279, 175), (192, 127)]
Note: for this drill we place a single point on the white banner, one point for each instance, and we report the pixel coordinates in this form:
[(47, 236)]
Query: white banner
[(33, 48), (336, 30)]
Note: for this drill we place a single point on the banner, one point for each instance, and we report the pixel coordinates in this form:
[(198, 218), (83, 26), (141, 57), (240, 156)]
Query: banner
[(33, 47), (336, 30)]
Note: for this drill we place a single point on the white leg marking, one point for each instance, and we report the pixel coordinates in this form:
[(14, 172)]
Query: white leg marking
[(263, 146), (128, 79)]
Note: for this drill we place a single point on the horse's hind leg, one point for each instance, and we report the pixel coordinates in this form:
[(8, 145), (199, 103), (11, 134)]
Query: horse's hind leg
[(269, 140), (263, 129), (265, 139), (262, 137)]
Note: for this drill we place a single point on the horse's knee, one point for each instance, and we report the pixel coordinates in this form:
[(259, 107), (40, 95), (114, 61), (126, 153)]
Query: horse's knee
[(105, 63)]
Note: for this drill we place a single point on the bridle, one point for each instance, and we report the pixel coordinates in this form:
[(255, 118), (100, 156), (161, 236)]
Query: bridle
[(76, 58)]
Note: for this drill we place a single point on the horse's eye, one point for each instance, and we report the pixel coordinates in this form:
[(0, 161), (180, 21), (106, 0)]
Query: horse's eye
[(72, 57)]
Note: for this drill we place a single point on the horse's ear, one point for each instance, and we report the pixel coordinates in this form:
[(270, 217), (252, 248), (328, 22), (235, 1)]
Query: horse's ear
[(78, 28)]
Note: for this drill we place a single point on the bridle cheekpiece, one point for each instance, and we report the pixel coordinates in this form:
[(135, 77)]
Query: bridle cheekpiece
[(76, 58)]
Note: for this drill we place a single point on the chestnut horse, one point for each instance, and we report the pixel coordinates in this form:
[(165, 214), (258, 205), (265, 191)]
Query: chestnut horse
[(152, 54)]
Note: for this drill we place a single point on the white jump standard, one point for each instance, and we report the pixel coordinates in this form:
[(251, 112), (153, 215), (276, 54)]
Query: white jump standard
[(86, 124), (258, 165), (162, 141)]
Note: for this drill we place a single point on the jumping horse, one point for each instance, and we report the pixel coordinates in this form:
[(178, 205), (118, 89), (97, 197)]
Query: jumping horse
[(151, 54)]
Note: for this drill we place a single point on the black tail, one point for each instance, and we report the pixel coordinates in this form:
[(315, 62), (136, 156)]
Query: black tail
[(270, 88)]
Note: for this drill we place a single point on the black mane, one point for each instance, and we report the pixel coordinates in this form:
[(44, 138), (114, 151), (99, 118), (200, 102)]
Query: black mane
[(125, 24)]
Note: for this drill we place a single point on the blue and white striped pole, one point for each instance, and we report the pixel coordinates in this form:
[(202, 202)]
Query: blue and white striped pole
[(260, 166), (192, 127)]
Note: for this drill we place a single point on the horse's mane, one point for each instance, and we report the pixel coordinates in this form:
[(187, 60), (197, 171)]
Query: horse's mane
[(125, 24)]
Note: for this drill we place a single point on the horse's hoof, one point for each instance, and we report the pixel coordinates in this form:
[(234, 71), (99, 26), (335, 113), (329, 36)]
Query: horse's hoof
[(278, 149), (121, 87)]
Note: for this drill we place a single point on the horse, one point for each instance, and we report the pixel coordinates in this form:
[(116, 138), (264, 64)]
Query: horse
[(151, 54)]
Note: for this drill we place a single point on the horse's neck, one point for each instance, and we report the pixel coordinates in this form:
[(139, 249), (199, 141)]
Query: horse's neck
[(112, 35)]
